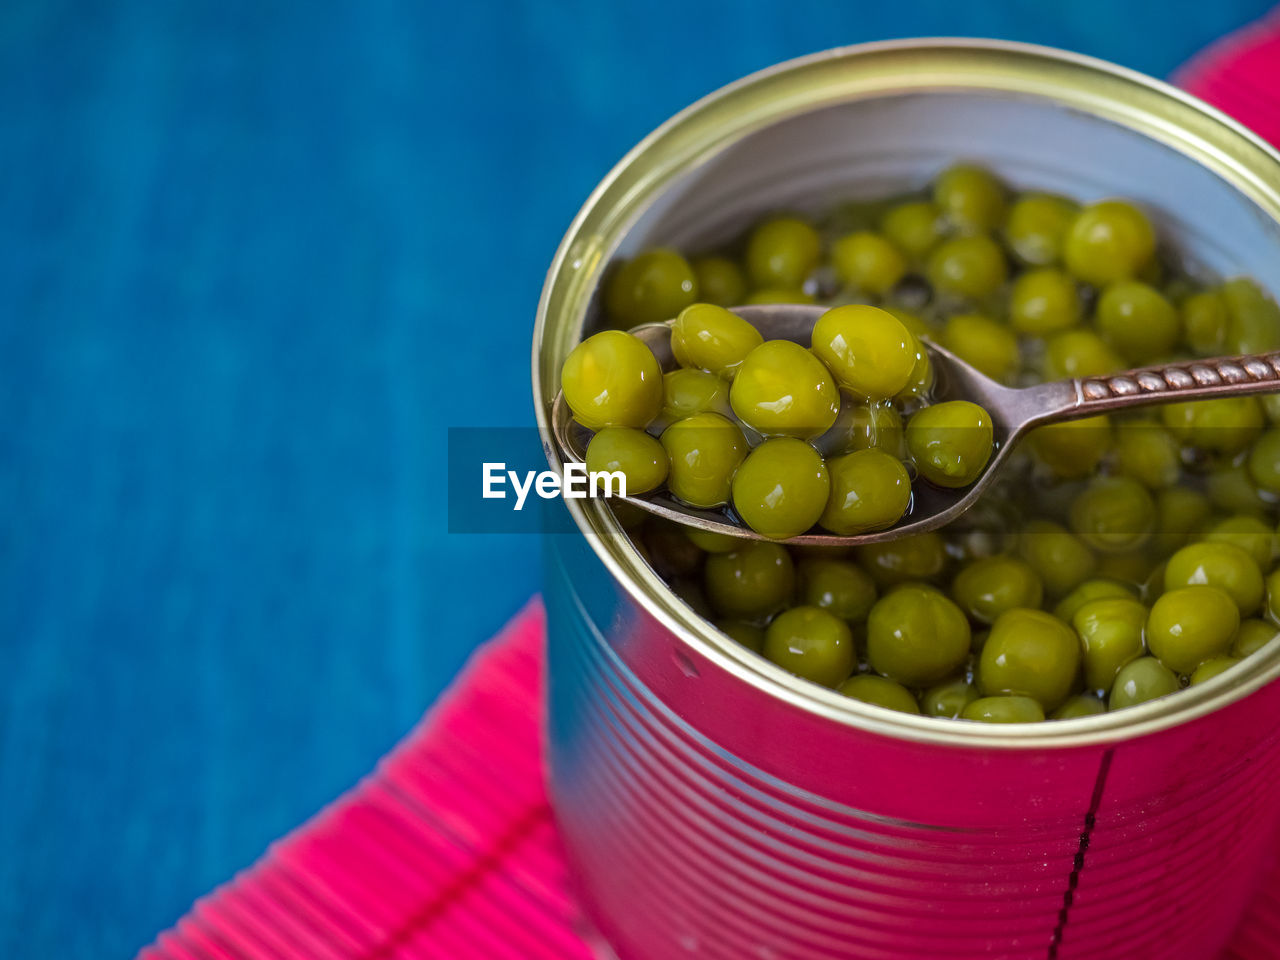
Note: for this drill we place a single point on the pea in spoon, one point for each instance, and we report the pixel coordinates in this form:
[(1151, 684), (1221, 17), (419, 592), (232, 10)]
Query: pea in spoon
[(1014, 412)]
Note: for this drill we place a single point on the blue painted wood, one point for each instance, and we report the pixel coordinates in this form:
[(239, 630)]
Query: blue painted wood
[(241, 241)]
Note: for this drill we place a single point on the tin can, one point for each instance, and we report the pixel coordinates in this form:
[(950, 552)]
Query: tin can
[(714, 806)]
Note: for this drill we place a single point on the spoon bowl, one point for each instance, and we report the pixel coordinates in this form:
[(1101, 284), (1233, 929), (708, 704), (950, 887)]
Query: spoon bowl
[(1013, 411)]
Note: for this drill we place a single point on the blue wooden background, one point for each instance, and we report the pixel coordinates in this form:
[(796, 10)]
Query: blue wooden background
[(257, 256)]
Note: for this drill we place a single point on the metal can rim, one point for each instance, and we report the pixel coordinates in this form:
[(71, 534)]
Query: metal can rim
[(1112, 92)]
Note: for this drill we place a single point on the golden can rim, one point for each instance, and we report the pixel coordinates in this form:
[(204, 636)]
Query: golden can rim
[(1128, 98)]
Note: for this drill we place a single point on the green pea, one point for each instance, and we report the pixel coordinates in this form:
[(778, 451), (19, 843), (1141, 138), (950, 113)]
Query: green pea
[(914, 227), (686, 392), (868, 349), (983, 343), (612, 379), (1206, 323), (916, 636), (1252, 636), (1004, 710), (866, 426), (712, 542), (921, 380), (1073, 448), (812, 644), (1271, 406), (1108, 241), (1036, 226), (754, 581), (767, 295), (712, 338), (747, 634), (782, 389), (704, 451), (883, 693), (1137, 321), (1221, 565), (720, 281), (1254, 317), (670, 552), (1081, 705), (1264, 461), (1249, 533), (1150, 586), (1110, 632), (1144, 679), (970, 197), (781, 488), (1030, 653), (870, 490), (950, 443), (1052, 498), (1060, 559), (919, 557), (1231, 489), (989, 586), (837, 586), (916, 325), (1174, 285), (868, 261), (948, 699), (1212, 668), (1180, 513), (782, 253), (1225, 425), (1189, 625), (1113, 514), (1043, 302), (1148, 453), (1096, 589), (639, 457), (824, 552), (1131, 566), (1273, 596), (651, 288), (1079, 353), (970, 268)]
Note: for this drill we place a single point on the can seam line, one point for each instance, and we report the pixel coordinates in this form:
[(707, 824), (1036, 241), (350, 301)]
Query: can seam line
[(1073, 882)]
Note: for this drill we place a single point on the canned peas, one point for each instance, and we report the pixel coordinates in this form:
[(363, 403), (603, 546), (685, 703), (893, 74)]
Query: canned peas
[(1118, 560)]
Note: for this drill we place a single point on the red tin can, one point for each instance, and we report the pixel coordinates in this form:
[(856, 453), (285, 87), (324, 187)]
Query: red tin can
[(712, 805)]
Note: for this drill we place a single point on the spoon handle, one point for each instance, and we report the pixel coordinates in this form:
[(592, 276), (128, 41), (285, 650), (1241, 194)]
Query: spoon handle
[(1175, 383)]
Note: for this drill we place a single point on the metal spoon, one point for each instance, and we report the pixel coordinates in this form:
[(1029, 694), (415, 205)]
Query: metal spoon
[(1014, 412)]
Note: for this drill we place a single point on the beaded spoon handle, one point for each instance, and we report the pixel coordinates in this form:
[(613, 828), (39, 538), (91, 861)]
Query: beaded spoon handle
[(1014, 412)]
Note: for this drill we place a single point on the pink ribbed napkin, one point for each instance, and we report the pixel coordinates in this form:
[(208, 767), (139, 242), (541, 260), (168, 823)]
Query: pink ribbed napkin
[(447, 851), (1240, 75)]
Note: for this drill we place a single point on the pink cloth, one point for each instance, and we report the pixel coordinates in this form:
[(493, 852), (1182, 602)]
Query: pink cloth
[(448, 850), (1240, 75)]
